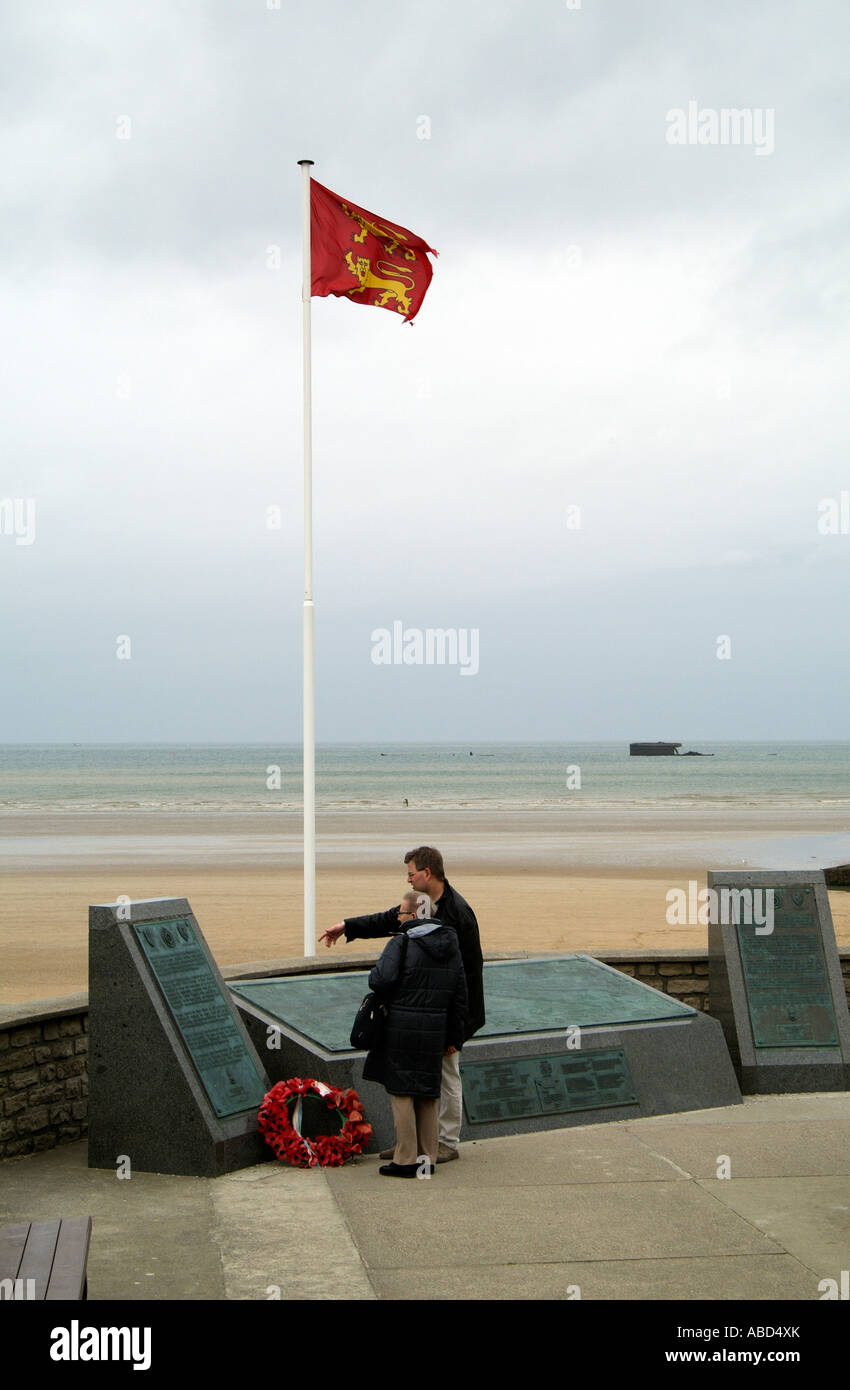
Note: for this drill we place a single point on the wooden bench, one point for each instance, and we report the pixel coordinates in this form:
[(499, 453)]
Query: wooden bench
[(51, 1255)]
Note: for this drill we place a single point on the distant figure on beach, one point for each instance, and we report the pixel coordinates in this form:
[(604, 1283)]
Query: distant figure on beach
[(421, 973), (426, 874)]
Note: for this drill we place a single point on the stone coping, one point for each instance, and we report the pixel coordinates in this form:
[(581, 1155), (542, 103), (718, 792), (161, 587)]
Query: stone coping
[(297, 965), (37, 1010)]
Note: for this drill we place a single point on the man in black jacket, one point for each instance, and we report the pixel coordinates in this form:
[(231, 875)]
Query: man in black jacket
[(425, 874)]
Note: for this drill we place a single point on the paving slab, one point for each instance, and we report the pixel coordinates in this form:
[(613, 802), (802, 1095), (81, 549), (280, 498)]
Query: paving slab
[(810, 1217), (428, 1223), (777, 1109), (596, 1153), (758, 1149), (742, 1277), (281, 1234)]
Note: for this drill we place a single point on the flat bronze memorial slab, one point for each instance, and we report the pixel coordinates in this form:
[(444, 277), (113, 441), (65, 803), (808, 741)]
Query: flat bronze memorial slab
[(522, 996), (202, 1015)]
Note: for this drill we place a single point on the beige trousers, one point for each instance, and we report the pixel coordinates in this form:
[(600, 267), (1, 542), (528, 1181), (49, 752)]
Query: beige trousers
[(416, 1126), (451, 1102)]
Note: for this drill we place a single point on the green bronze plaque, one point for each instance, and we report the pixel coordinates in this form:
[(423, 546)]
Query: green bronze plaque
[(519, 1088), (532, 996), (785, 977), (320, 1007), (202, 1015), (521, 996)]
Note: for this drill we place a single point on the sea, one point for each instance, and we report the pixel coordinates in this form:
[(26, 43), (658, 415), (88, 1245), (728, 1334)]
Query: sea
[(70, 779), (784, 805)]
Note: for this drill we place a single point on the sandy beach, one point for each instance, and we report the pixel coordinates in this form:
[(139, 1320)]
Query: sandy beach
[(541, 880)]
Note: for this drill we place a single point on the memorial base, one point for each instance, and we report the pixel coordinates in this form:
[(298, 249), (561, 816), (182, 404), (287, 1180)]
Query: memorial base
[(655, 1056), (793, 1078), (149, 1104), (671, 1065)]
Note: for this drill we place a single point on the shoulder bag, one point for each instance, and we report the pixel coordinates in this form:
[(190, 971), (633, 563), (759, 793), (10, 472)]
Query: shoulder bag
[(370, 1025)]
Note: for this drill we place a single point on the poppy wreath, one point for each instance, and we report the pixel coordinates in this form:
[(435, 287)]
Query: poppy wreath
[(280, 1116)]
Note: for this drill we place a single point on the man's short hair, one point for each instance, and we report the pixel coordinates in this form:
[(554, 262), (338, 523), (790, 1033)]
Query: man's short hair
[(426, 857)]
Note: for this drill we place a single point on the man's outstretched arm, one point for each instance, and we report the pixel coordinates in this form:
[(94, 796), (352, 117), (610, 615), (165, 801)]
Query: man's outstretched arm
[(373, 924)]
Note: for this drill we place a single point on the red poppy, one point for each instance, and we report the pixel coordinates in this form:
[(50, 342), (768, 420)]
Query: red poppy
[(325, 1150)]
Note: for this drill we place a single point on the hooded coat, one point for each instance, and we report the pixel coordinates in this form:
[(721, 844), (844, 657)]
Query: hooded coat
[(455, 912), (427, 1009)]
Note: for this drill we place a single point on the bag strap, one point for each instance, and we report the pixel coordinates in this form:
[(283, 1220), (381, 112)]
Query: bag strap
[(403, 958)]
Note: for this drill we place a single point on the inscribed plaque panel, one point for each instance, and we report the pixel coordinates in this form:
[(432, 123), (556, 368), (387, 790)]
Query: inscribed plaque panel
[(785, 975), (516, 1088), (202, 1015)]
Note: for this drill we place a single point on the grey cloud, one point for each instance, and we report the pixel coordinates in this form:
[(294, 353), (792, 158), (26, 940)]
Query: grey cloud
[(685, 384)]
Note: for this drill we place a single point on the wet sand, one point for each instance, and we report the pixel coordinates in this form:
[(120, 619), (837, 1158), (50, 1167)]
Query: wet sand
[(549, 838)]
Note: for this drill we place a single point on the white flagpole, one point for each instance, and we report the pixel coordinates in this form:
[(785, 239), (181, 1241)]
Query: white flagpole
[(309, 695)]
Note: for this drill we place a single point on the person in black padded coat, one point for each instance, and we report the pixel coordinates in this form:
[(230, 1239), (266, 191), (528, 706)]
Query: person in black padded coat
[(426, 875), (425, 984)]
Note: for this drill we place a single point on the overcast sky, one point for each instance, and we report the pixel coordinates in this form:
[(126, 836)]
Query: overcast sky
[(608, 444)]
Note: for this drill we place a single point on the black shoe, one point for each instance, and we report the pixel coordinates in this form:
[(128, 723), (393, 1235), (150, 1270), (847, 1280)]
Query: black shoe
[(399, 1170)]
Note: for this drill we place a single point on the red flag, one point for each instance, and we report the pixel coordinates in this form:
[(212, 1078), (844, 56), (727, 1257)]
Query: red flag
[(365, 258)]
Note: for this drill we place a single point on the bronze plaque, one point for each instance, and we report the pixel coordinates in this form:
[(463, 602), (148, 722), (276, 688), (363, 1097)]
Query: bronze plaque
[(516, 1088), (522, 996), (202, 1015), (785, 976)]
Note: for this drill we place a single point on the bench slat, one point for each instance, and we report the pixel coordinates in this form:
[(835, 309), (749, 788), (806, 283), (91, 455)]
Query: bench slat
[(37, 1260), (68, 1277), (12, 1242)]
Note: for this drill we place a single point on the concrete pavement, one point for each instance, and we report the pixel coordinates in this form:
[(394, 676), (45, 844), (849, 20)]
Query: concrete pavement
[(633, 1210)]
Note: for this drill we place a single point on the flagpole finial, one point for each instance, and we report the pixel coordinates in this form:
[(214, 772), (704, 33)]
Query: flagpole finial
[(306, 161)]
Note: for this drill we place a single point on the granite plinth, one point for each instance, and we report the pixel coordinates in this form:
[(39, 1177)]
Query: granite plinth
[(775, 981), (558, 1008), (174, 1081)]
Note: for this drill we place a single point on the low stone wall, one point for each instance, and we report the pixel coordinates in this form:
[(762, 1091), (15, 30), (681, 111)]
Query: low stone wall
[(44, 1046), (685, 978), (43, 1075)]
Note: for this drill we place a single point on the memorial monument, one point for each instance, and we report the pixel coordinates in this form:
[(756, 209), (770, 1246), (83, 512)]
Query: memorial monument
[(568, 1041), (174, 1082), (775, 980)]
